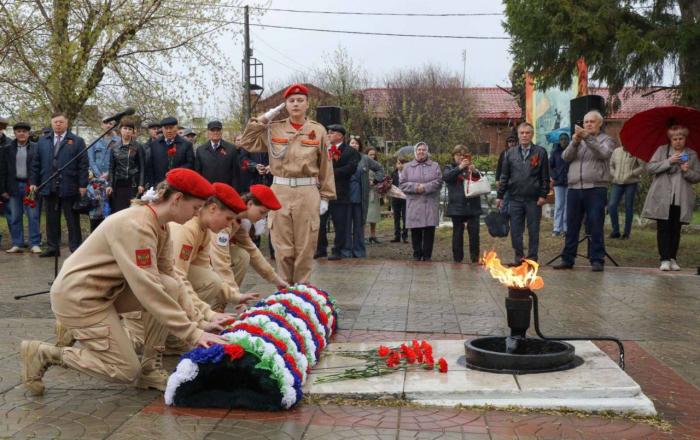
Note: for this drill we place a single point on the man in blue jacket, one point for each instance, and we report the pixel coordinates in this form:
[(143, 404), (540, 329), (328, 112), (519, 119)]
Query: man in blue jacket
[(559, 169), (53, 152)]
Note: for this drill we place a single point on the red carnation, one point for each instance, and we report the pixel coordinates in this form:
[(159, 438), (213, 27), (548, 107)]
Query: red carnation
[(245, 164), (171, 151), (427, 348), (442, 365), (27, 201), (393, 360), (428, 362), (234, 351), (383, 351), (417, 350)]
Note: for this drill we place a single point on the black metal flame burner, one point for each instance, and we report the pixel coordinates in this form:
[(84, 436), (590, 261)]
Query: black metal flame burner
[(518, 354)]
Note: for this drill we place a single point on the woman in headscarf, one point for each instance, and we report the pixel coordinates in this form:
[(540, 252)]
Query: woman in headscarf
[(421, 181)]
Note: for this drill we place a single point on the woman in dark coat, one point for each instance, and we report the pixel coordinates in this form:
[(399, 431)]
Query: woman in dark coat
[(461, 209), (126, 168)]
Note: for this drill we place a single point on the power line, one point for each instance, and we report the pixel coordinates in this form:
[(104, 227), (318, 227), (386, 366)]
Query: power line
[(392, 14), (383, 34)]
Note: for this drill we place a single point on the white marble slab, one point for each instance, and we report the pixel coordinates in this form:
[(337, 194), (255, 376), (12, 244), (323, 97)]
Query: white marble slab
[(597, 385)]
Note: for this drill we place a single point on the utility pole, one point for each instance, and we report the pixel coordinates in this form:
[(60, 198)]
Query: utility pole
[(464, 68), (246, 67)]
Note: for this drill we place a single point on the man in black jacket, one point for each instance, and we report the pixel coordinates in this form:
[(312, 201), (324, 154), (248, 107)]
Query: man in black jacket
[(54, 151), (525, 176), (218, 160), (169, 151), (345, 160)]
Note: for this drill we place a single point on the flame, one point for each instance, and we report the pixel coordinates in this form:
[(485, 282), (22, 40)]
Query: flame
[(521, 277)]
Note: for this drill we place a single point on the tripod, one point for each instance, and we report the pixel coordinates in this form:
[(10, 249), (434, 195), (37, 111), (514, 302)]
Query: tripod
[(58, 174), (587, 239)]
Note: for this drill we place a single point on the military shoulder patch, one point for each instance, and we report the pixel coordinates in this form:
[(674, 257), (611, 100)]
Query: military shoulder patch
[(143, 257), (185, 252), (222, 238)]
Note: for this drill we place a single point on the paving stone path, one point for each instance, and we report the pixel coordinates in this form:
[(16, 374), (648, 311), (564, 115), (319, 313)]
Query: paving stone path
[(658, 316)]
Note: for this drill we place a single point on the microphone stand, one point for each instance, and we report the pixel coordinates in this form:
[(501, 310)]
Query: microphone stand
[(58, 175)]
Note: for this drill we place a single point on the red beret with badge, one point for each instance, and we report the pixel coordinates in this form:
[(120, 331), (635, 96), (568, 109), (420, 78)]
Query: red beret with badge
[(296, 89), (229, 197), (189, 182), (265, 196)]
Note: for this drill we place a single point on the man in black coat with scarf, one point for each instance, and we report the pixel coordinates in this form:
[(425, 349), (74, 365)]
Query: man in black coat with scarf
[(169, 151), (345, 160)]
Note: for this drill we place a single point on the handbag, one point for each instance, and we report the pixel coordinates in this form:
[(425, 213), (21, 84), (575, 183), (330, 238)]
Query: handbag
[(497, 223), (476, 188)]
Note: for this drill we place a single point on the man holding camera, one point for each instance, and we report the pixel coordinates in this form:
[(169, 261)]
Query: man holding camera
[(588, 155)]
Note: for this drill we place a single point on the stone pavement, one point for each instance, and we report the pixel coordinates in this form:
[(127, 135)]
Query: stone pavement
[(656, 314)]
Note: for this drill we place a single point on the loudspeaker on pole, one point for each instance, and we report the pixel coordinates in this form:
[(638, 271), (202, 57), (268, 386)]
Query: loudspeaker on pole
[(329, 115), (582, 105)]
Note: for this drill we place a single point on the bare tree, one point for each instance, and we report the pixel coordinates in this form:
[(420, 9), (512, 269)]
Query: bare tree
[(430, 104), (61, 55)]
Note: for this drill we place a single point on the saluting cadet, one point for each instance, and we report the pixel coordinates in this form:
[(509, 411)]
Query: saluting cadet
[(116, 270), (302, 180), (192, 242), (235, 241)]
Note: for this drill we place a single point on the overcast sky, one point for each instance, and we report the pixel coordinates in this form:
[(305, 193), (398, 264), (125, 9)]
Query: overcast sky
[(285, 52)]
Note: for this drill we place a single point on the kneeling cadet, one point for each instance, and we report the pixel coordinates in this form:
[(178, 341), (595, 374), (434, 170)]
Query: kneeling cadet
[(202, 258), (122, 267)]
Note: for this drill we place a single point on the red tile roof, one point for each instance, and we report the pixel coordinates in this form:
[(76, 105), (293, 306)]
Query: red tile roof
[(634, 102), (495, 103)]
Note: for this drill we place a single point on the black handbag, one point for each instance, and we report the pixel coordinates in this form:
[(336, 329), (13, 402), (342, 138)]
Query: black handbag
[(497, 223)]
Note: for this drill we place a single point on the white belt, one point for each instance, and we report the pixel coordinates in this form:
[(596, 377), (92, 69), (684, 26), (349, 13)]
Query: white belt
[(295, 181)]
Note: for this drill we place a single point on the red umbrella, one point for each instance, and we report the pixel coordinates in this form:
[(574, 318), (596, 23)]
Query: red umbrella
[(644, 132)]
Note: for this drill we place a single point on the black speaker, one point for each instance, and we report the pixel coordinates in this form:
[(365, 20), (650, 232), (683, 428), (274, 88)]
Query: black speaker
[(328, 115), (582, 105)]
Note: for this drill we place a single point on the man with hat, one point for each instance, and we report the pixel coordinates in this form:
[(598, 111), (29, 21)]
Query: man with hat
[(15, 165), (53, 152), (154, 130), (302, 180), (190, 135), (169, 151), (345, 162), (218, 160)]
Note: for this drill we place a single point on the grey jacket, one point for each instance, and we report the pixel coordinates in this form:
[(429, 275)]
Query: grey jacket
[(589, 161), (658, 201), (366, 165)]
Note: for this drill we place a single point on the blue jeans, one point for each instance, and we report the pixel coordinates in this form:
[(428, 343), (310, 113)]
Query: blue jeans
[(588, 203), (15, 211), (629, 190), (354, 234), (560, 209)]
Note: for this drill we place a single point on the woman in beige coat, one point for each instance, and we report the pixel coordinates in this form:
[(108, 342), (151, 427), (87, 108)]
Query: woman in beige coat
[(670, 199)]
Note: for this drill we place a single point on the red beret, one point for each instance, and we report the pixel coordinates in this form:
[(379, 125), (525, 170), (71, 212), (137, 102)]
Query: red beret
[(265, 196), (229, 197), (189, 182), (296, 89)]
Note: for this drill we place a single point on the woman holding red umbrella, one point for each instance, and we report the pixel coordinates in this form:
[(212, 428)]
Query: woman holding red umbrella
[(670, 199)]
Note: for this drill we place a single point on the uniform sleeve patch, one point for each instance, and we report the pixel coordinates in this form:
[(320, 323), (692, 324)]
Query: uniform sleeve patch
[(222, 238), (143, 257), (185, 252)]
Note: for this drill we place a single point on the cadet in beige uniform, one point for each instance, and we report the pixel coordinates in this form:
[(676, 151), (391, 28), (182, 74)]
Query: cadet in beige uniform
[(303, 180), (116, 270), (192, 243), (258, 203)]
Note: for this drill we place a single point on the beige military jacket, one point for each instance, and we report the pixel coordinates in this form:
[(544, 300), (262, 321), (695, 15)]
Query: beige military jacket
[(191, 246), (126, 255), (293, 153), (221, 257)]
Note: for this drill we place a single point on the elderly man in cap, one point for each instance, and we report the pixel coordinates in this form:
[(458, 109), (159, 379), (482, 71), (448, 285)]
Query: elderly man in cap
[(302, 180), (15, 164), (345, 160), (218, 160), (169, 151), (53, 153)]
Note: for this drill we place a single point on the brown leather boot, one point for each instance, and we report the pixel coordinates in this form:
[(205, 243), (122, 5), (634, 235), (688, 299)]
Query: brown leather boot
[(36, 357), (152, 373), (64, 337)]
